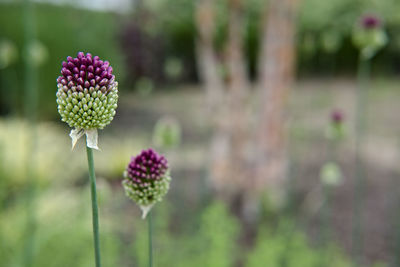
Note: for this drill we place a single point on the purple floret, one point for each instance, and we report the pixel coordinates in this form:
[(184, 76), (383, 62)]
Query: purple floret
[(85, 71), (146, 167), (337, 116), (370, 22)]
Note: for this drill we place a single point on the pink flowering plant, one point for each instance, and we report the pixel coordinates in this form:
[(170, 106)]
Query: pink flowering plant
[(147, 179), (87, 96), (369, 35)]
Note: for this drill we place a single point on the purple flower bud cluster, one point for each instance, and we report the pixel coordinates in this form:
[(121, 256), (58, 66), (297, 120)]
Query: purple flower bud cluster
[(336, 128), (370, 22), (87, 92), (148, 166), (337, 116), (86, 71), (146, 179)]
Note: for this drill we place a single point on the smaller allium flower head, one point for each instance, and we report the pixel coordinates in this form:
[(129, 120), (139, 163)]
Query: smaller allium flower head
[(337, 116), (336, 127), (87, 96), (370, 22), (147, 179), (369, 35)]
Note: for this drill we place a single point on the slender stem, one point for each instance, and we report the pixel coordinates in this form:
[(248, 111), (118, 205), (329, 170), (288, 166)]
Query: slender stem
[(95, 211), (325, 226), (150, 229), (31, 224), (396, 260), (30, 105), (325, 230), (363, 80), (396, 244)]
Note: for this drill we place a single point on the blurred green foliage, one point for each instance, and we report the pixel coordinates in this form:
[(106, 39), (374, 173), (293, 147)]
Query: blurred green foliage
[(324, 31), (64, 237), (211, 237), (61, 32), (167, 133), (287, 246), (212, 244), (324, 39), (175, 21)]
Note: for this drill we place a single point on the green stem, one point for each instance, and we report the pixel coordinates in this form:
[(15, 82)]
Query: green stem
[(396, 257), (31, 224), (95, 211), (396, 260), (362, 90), (150, 229), (325, 231), (30, 105), (325, 226)]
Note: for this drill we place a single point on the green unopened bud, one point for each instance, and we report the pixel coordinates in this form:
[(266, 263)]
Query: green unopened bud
[(8, 53), (331, 174), (369, 36), (167, 133)]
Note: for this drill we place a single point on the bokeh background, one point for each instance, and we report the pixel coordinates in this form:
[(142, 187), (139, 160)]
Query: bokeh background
[(239, 96)]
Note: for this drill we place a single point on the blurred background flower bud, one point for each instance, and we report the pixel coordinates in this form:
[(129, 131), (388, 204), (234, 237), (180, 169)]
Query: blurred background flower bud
[(336, 128), (173, 68), (144, 86), (369, 35), (167, 133), (331, 174), (38, 53), (370, 22), (8, 53), (337, 116)]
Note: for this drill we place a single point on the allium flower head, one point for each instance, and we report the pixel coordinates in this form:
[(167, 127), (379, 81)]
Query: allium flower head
[(370, 22), (336, 129), (147, 179), (87, 96), (369, 35), (337, 116)]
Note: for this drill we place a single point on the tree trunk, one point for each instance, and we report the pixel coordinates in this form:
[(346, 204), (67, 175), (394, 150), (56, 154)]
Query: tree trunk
[(208, 65), (231, 175), (207, 61), (276, 72), (226, 97), (237, 88)]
